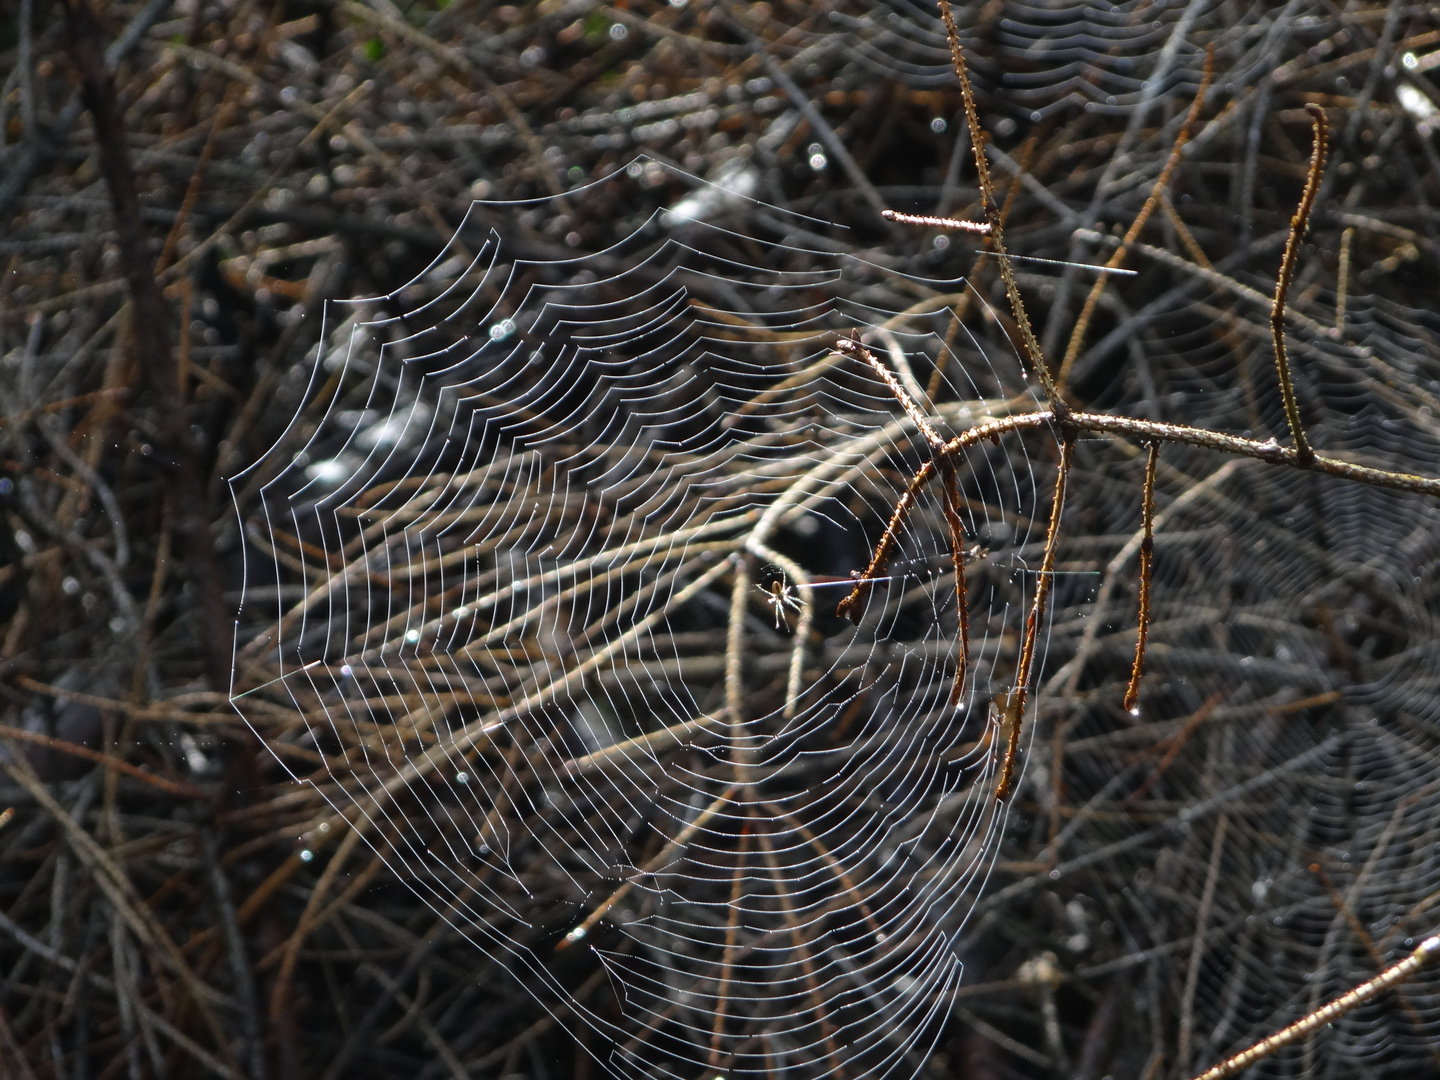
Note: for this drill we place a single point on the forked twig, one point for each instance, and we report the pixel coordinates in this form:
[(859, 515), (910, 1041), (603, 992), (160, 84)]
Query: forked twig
[(1009, 706), (1013, 707), (1425, 953), (1282, 282), (1147, 557), (951, 496)]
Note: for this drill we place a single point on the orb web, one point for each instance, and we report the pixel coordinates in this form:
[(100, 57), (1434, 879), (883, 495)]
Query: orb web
[(560, 554)]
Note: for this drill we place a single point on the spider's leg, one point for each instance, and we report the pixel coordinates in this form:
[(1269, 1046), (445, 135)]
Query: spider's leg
[(850, 607)]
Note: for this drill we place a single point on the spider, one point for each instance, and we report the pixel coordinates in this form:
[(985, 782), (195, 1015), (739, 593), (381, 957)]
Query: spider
[(780, 595)]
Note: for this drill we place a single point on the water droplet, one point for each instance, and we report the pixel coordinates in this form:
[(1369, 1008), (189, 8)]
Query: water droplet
[(306, 855), (1135, 711), (412, 636), (818, 162), (462, 778), (938, 125), (346, 671), (502, 329), (1055, 874)]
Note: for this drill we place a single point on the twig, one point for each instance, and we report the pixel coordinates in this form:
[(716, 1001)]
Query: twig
[(1014, 704), (1342, 287), (35, 153), (1282, 283), (1425, 953), (981, 228), (735, 645), (818, 124), (849, 607), (239, 962), (654, 866), (993, 217), (1363, 936), (1147, 557), (1197, 946), (950, 490), (152, 318), (1087, 311), (120, 891), (61, 746)]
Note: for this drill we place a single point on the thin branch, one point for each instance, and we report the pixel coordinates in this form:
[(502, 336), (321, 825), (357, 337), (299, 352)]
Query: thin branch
[(150, 327), (1087, 312), (1347, 238), (852, 347), (1013, 706), (850, 606), (1147, 557), (63, 746), (1287, 270), (980, 228), (1197, 944), (732, 925), (1425, 953), (994, 218), (951, 489)]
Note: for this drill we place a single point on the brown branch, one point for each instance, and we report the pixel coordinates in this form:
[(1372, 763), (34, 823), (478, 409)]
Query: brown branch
[(1014, 705), (1342, 286), (1087, 312), (62, 746), (852, 347), (1425, 953), (1147, 556), (1282, 281), (849, 607), (178, 447), (951, 489), (995, 219)]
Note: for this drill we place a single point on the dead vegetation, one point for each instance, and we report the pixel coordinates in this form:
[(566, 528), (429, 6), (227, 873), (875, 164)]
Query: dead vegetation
[(1169, 885)]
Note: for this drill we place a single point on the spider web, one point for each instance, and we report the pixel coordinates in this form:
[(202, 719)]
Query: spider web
[(551, 550), (538, 651)]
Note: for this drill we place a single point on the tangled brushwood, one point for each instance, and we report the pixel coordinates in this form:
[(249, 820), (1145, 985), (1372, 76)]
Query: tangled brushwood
[(542, 540)]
